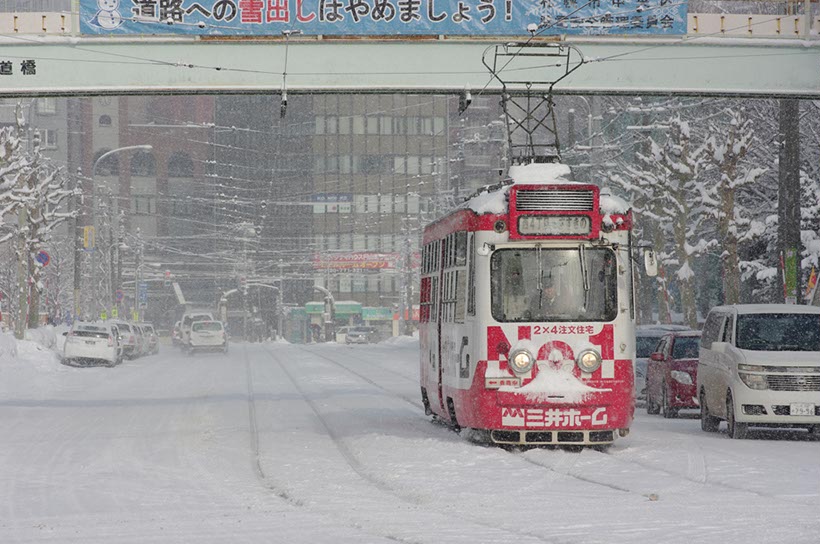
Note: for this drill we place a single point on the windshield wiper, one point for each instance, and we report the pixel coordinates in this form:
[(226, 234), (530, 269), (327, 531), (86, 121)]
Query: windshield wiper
[(582, 254)]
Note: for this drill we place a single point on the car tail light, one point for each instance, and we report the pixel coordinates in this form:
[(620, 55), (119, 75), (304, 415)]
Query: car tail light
[(110, 340), (133, 340)]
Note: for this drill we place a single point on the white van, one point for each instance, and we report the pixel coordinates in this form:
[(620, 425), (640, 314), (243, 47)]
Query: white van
[(185, 324), (760, 366)]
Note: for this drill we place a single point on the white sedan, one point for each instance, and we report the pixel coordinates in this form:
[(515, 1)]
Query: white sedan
[(92, 343)]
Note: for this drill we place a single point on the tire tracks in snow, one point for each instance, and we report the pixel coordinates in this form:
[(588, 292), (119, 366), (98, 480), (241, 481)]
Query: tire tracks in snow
[(414, 501)]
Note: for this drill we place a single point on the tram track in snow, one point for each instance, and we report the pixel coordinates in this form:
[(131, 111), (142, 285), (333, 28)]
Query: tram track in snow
[(697, 473), (354, 463), (413, 402), (560, 468)]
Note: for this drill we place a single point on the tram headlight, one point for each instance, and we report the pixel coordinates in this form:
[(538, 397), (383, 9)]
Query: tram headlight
[(588, 360), (521, 361)]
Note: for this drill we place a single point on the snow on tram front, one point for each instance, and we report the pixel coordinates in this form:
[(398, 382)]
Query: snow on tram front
[(527, 312)]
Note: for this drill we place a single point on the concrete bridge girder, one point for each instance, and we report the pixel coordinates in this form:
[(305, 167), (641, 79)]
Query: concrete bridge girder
[(705, 66)]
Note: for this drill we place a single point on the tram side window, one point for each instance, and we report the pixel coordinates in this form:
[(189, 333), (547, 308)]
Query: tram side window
[(461, 287), (461, 248), (471, 276), (434, 299)]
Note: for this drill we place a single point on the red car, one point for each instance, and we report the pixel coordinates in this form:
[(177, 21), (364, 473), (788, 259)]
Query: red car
[(671, 375)]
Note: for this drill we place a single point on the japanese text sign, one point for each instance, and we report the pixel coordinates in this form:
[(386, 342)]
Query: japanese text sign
[(382, 17)]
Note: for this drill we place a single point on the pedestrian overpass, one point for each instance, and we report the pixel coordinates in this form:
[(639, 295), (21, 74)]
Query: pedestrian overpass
[(754, 56)]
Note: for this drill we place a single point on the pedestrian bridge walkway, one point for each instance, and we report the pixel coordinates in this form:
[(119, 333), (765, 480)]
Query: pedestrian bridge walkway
[(738, 55)]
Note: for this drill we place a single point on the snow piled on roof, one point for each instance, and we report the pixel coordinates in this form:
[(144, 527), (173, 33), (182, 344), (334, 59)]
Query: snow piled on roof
[(770, 309), (495, 201), (540, 173), (491, 202), (611, 204)]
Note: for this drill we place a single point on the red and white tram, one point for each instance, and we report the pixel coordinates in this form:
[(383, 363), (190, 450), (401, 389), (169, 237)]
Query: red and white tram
[(527, 322)]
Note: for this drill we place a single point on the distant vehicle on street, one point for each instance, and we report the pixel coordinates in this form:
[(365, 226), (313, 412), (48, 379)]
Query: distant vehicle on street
[(671, 374), (128, 338), (361, 335), (341, 334), (176, 334), (151, 338), (759, 366), (93, 343), (187, 320), (646, 340), (142, 348), (207, 336)]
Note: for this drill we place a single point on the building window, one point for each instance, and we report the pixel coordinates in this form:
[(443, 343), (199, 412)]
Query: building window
[(413, 164), (387, 243), (109, 166), (359, 242), (359, 284), (143, 164), (46, 106), (372, 125), (399, 204), (320, 124), (385, 125), (412, 203), (49, 139), (105, 120), (372, 164), (180, 165), (386, 205), (182, 205), (358, 124), (427, 164), (143, 205)]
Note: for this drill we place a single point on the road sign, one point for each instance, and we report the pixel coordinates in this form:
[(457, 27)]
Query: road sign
[(119, 295), (143, 293), (43, 258), (89, 240), (103, 316), (115, 313)]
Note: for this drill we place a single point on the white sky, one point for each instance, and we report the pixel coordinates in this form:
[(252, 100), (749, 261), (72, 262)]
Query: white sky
[(329, 444)]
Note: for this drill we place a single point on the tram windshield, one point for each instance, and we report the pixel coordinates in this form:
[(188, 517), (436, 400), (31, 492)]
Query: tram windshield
[(538, 284)]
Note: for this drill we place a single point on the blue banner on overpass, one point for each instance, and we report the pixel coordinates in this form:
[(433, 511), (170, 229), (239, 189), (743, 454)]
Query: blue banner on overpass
[(382, 17)]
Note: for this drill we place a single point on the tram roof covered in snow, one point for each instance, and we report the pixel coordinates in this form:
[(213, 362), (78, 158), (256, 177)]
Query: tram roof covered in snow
[(493, 199)]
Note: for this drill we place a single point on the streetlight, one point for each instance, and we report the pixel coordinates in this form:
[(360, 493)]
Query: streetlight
[(114, 279), (137, 280), (77, 241)]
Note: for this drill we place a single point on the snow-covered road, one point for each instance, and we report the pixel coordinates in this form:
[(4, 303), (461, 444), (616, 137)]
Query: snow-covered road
[(329, 444)]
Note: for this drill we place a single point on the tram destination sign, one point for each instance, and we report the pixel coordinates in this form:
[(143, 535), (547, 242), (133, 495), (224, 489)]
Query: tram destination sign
[(383, 17), (554, 225)]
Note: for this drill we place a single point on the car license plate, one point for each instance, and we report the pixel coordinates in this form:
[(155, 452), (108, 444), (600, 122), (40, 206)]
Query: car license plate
[(90, 342), (801, 409)]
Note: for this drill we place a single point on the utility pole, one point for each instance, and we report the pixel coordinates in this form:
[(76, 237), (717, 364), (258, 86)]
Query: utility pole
[(788, 196), (23, 259), (23, 249), (78, 242), (137, 266), (280, 300)]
